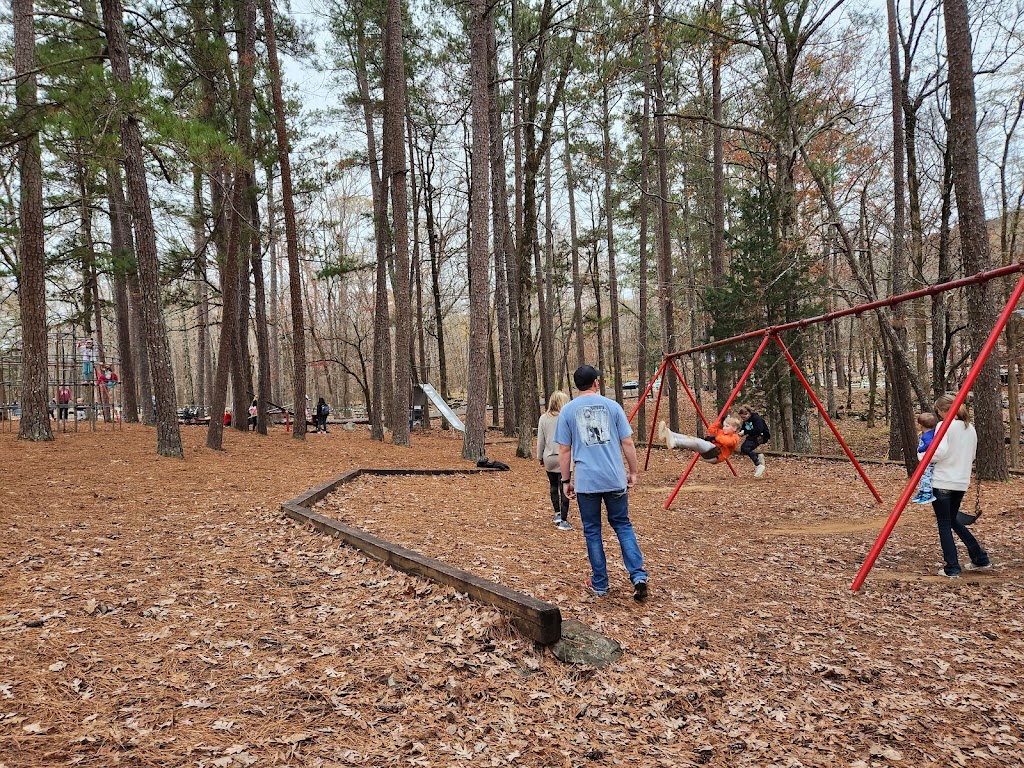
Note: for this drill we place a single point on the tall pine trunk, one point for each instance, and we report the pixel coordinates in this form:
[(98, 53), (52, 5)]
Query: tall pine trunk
[(479, 259), (167, 430), (290, 230), (974, 244), (35, 421)]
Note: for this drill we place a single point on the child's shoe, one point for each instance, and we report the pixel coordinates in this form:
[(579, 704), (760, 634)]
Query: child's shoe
[(664, 435), (923, 498)]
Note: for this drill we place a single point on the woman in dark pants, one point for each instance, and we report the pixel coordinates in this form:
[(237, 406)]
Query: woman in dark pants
[(950, 479)]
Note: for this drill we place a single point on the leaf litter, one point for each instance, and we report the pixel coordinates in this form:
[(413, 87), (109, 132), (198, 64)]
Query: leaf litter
[(163, 613)]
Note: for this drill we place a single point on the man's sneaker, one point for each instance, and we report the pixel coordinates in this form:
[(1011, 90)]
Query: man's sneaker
[(977, 566), (564, 525), (664, 435), (640, 591), (759, 469), (590, 588), (942, 572)]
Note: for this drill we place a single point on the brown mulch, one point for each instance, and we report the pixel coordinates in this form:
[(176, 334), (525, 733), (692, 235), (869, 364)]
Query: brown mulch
[(156, 612)]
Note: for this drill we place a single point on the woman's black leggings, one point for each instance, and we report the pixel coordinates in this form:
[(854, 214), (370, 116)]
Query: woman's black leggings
[(559, 501)]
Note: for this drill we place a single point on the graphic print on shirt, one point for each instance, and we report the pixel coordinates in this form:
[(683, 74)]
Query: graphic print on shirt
[(592, 423)]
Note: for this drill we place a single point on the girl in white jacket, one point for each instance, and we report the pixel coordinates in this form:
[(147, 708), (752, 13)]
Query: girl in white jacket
[(950, 479)]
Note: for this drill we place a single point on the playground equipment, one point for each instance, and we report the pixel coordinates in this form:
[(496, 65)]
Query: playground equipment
[(773, 333), (90, 400), (449, 415)]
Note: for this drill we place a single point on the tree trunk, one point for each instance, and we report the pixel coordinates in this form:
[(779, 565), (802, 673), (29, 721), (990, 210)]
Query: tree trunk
[(35, 420), (122, 254), (290, 230), (473, 446), (504, 288), (395, 173), (609, 218), (168, 432), (981, 308), (577, 283)]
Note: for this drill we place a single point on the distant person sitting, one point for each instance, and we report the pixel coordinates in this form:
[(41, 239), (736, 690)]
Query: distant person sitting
[(323, 410), (107, 381), (755, 434)]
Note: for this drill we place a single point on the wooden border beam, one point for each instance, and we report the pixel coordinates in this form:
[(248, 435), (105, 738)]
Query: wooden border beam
[(539, 620)]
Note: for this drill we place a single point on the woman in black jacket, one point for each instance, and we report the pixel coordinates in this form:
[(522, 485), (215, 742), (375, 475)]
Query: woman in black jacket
[(756, 434)]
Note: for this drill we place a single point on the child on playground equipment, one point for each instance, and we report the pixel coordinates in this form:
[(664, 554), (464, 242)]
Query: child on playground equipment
[(927, 422), (723, 439), (88, 360), (755, 434)]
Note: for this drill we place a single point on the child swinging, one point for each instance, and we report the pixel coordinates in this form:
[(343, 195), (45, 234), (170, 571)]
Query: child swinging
[(722, 440)]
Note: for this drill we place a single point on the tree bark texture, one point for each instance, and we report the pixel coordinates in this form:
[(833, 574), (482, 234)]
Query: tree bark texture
[(974, 243), (479, 256), (290, 229), (167, 430), (35, 420)]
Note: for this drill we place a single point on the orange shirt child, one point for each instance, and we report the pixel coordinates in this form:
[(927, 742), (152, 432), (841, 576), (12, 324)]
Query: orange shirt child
[(726, 441)]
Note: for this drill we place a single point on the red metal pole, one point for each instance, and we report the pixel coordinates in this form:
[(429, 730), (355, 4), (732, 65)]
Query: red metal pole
[(746, 374), (699, 412), (657, 405), (908, 491), (682, 480), (647, 391), (824, 413)]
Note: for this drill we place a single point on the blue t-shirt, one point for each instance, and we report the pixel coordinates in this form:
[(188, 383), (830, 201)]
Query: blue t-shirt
[(595, 426)]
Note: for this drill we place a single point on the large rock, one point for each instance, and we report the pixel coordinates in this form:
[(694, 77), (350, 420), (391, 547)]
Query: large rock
[(582, 645)]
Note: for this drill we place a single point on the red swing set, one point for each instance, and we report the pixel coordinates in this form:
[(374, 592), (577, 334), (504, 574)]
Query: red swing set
[(768, 334)]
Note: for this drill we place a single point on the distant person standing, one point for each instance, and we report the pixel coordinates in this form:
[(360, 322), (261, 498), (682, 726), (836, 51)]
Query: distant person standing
[(323, 410), (253, 412), (593, 434), (547, 454), (88, 360), (63, 402)]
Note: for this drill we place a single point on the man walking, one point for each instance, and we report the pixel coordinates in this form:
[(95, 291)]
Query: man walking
[(593, 434)]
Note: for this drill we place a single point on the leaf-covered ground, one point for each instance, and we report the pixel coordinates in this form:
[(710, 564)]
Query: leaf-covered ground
[(156, 612)]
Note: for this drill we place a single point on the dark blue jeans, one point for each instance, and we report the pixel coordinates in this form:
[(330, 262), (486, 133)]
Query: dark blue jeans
[(749, 449), (946, 505), (617, 505)]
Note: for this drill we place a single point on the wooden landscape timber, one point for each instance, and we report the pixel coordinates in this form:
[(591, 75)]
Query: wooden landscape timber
[(538, 620)]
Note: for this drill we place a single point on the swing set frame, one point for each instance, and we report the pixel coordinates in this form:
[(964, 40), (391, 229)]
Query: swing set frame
[(773, 333)]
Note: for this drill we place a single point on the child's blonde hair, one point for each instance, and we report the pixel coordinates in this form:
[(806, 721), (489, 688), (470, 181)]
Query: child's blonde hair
[(735, 421), (556, 401)]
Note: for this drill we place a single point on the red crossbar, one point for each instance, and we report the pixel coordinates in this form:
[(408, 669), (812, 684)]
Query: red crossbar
[(980, 277)]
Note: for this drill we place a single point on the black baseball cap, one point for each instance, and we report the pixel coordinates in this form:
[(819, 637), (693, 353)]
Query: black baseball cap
[(585, 376)]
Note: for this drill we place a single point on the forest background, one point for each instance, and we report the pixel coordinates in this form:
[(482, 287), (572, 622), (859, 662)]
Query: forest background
[(490, 195)]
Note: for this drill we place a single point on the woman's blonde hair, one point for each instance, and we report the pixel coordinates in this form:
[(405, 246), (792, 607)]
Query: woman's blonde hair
[(557, 400), (942, 404)]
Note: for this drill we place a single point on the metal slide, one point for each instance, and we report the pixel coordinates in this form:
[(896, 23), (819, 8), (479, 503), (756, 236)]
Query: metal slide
[(443, 407)]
